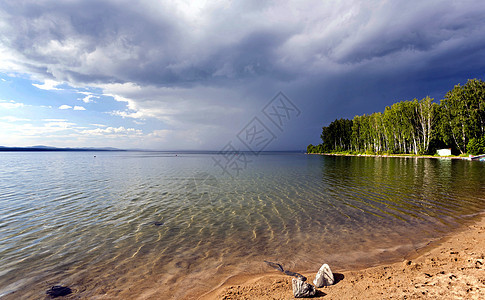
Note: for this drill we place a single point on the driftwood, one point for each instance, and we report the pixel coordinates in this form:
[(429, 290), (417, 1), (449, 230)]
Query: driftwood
[(279, 267)]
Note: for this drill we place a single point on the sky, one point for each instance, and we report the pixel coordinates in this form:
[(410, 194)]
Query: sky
[(202, 75)]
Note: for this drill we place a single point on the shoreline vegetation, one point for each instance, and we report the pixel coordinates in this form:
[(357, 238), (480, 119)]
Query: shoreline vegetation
[(461, 157), (449, 268), (417, 127)]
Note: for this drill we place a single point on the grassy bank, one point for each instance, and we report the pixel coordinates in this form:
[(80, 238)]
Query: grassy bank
[(351, 153)]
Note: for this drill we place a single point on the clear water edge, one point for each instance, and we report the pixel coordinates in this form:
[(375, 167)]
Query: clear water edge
[(152, 224)]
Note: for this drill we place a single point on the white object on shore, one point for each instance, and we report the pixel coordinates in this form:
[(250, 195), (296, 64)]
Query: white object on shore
[(324, 277), (444, 152), (302, 289)]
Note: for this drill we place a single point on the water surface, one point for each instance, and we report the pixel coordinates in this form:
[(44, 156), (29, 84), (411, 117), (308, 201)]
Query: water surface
[(140, 224)]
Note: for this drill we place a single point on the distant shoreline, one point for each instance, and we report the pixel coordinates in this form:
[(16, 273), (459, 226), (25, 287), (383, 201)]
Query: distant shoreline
[(29, 149)]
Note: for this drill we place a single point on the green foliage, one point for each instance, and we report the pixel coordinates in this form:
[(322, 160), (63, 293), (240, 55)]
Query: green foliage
[(337, 136), (314, 149), (405, 127), (414, 127), (463, 114), (476, 146), (309, 148)]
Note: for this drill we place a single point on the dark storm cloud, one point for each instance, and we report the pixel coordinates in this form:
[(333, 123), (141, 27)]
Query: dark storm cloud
[(337, 58), (150, 43), (407, 27), (94, 41), (64, 34)]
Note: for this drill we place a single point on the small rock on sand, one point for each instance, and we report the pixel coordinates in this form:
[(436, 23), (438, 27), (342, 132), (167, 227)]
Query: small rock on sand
[(302, 289), (58, 291), (324, 276)]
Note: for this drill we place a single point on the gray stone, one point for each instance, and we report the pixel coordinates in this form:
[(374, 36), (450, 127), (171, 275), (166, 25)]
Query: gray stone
[(324, 277), (302, 289)]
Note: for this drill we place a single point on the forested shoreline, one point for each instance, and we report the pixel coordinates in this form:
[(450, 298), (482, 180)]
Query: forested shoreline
[(414, 127)]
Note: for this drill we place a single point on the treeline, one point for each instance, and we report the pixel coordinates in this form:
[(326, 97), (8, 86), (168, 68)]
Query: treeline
[(414, 127)]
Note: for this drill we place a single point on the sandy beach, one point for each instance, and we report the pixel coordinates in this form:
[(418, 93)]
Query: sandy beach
[(451, 268)]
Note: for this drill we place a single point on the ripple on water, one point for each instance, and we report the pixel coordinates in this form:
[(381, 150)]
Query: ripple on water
[(126, 223)]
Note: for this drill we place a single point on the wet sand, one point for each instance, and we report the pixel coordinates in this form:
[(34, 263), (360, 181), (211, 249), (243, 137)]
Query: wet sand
[(451, 268)]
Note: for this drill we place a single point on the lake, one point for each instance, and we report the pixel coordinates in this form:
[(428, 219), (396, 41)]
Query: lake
[(175, 225)]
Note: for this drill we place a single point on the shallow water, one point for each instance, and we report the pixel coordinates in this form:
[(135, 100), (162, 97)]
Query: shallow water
[(140, 224)]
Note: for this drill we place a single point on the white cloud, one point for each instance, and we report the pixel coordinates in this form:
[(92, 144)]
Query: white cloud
[(160, 134), (76, 107), (10, 104), (113, 131), (88, 97), (54, 120), (13, 119), (59, 125), (195, 117), (127, 114), (48, 85), (98, 125), (27, 130)]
